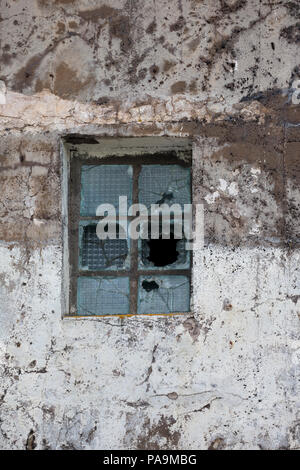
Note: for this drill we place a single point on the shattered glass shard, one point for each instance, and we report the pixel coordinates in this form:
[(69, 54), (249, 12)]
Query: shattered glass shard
[(164, 184), (95, 254), (103, 295), (103, 184), (163, 294)]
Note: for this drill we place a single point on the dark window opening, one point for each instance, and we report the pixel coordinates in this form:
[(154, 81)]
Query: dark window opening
[(163, 252)]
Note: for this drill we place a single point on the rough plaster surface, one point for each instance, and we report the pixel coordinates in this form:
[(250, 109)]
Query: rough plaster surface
[(226, 376), (94, 50)]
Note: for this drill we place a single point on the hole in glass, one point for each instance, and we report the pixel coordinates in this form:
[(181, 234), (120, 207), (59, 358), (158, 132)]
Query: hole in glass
[(162, 252), (149, 285)]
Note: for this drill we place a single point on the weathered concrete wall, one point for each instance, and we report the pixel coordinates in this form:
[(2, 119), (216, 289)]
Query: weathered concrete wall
[(221, 73), (92, 50)]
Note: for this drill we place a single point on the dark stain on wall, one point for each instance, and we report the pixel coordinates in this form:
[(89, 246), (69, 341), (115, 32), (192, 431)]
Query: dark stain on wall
[(178, 25), (293, 8), (119, 23), (153, 433), (102, 12), (178, 87), (120, 28), (27, 74), (66, 83), (30, 443), (291, 33), (151, 28), (114, 44), (217, 444)]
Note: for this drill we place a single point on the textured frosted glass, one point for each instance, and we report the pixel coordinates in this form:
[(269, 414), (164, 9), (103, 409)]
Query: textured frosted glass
[(95, 254), (103, 295), (169, 184), (103, 184), (163, 294)]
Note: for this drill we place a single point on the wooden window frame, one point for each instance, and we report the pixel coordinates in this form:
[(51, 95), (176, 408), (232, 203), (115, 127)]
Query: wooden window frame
[(76, 160)]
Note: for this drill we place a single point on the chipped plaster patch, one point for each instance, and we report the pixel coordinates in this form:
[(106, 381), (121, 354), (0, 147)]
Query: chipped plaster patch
[(2, 92), (255, 229), (212, 197), (233, 189), (223, 185), (255, 171)]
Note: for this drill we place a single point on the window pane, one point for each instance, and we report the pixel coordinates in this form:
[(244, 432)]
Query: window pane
[(95, 254), (103, 295), (103, 184), (163, 294), (169, 184)]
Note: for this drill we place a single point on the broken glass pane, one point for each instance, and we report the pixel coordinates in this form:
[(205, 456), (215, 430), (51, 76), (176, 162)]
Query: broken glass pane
[(96, 254), (103, 295), (103, 184), (163, 294), (163, 253), (169, 184)]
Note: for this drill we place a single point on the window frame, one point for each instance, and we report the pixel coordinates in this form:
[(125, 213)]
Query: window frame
[(76, 160)]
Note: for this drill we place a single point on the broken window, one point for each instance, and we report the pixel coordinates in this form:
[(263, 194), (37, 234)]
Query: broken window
[(125, 275)]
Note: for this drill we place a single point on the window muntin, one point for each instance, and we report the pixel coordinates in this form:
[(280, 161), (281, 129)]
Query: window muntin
[(119, 277)]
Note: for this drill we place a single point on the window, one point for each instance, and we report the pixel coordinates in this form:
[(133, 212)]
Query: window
[(126, 275)]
